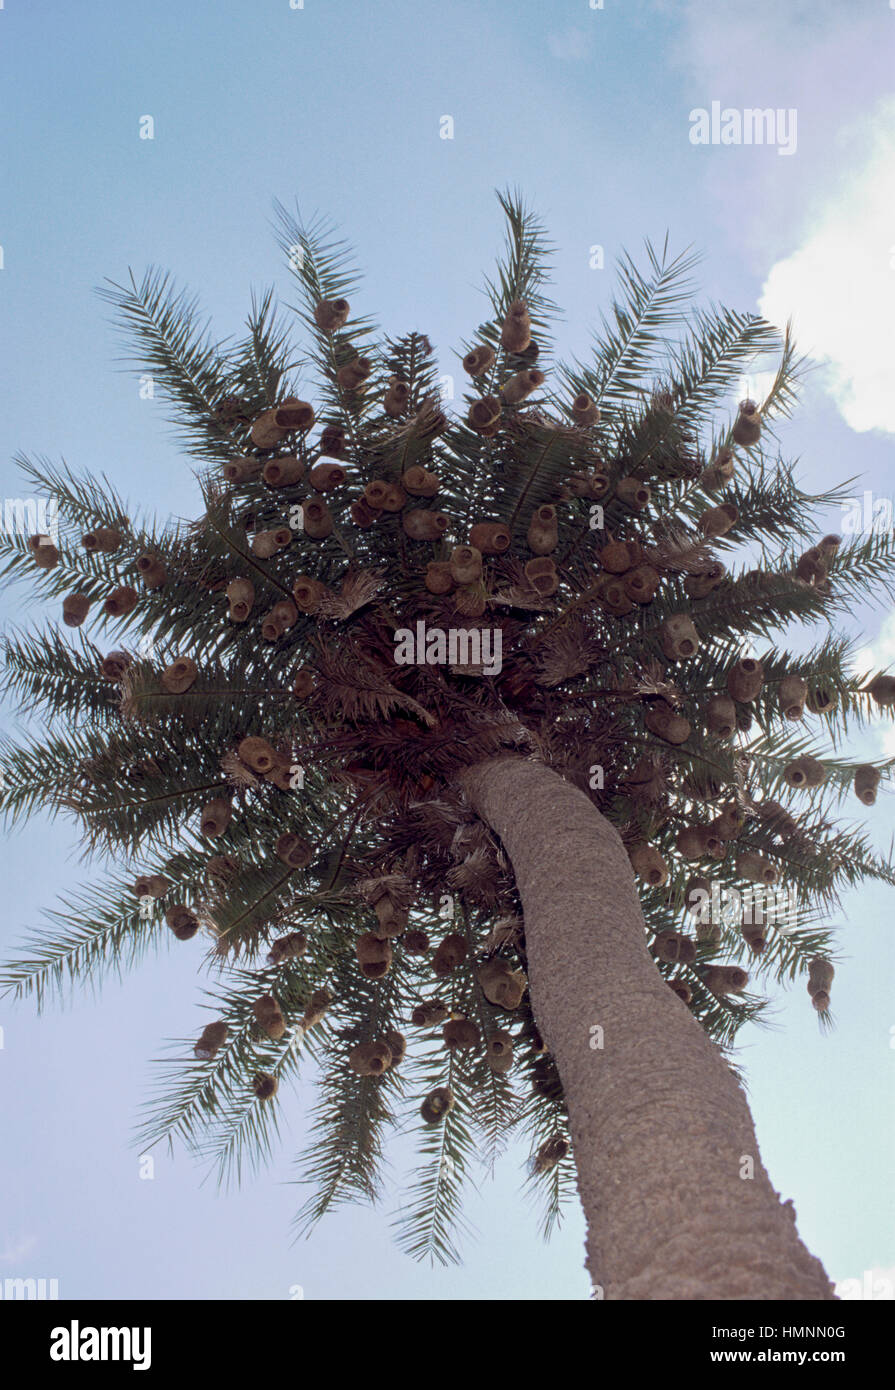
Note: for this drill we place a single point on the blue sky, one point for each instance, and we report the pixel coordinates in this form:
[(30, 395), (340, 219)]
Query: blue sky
[(339, 104)]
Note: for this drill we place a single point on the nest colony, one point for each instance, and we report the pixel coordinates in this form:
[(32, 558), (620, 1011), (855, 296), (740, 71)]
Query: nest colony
[(587, 680)]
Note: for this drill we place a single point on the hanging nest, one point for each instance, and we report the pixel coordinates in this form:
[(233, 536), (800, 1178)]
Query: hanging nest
[(269, 1016), (499, 1051), (317, 519), (706, 581), (353, 374), (745, 680), (721, 716), (280, 619), (331, 314), (674, 947), (792, 694), (551, 1152), (283, 471), (515, 332), (451, 952), (681, 989), (729, 822), (755, 936), (821, 700), (211, 1040), (43, 552), (465, 564), (429, 1014), (820, 978), (266, 433), (867, 780), (293, 414), (215, 818), (223, 867), (648, 864), (543, 531), (294, 851), (634, 492), (437, 1104), (105, 540), (241, 470), (152, 886), (719, 473), (424, 524), (323, 477), (679, 637), (747, 426), (755, 868), (501, 984), (374, 955), (75, 608), (241, 597), (804, 773), (419, 482), (490, 538), (121, 601), (315, 1009), (695, 902), (183, 923), (397, 1045), (152, 571), (663, 721), (777, 819), (585, 412), (479, 360), (725, 979), (303, 683), (115, 665), (288, 947), (691, 842), (460, 1034), (391, 896), (265, 544), (264, 1085), (371, 1058), (180, 675), (882, 691)]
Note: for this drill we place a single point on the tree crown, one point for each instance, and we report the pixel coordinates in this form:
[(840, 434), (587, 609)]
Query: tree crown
[(381, 591)]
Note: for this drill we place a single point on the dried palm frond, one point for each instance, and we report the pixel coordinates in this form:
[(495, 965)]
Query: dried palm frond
[(352, 688), (237, 773), (506, 931), (567, 652), (358, 588)]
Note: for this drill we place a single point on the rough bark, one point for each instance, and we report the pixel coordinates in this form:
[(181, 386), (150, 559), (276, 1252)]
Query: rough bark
[(661, 1130)]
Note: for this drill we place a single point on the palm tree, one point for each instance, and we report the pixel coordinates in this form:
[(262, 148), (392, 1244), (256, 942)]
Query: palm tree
[(447, 734)]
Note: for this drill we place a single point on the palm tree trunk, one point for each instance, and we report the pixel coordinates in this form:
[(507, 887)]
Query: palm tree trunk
[(677, 1202)]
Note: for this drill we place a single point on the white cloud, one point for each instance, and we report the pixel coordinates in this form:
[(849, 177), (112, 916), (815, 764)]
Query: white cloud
[(877, 1283), (839, 286), (570, 45), (880, 656), (13, 1250)]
